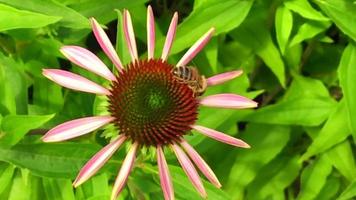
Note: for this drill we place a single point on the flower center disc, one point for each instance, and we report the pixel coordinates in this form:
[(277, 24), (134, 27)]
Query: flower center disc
[(150, 106)]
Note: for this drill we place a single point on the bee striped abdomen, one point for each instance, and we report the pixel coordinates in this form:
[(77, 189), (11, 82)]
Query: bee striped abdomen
[(190, 75)]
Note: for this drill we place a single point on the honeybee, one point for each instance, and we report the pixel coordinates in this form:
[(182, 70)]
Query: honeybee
[(190, 76)]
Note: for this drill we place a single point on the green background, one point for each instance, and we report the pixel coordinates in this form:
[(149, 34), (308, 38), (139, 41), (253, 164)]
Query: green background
[(299, 62)]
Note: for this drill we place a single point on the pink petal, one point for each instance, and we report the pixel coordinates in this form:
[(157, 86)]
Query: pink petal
[(219, 136), (75, 128), (170, 37), (150, 33), (196, 48), (227, 101), (87, 60), (98, 160), (124, 171), (74, 81), (164, 176), (201, 164), (106, 44), (221, 78), (189, 169), (130, 35)]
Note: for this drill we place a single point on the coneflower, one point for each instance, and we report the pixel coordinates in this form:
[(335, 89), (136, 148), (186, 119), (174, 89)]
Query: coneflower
[(147, 104)]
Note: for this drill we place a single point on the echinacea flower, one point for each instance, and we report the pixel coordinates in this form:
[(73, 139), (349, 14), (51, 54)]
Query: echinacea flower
[(147, 104)]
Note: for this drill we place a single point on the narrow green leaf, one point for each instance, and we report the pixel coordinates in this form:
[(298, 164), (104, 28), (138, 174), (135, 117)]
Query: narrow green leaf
[(327, 137), (304, 8), (274, 178), (121, 46), (19, 190), (58, 189), (342, 13), (47, 96), (23, 19), (308, 30), (284, 24), (54, 10), (302, 87), (103, 10), (15, 127), (52, 160), (6, 174), (223, 15), (347, 73), (330, 189), (14, 96), (349, 192), (261, 42), (342, 158), (298, 111), (313, 178), (266, 142)]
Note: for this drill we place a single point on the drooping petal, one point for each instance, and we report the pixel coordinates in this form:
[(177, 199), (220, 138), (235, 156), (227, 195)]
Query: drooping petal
[(124, 171), (170, 37), (223, 77), (189, 169), (87, 60), (227, 101), (130, 35), (201, 164), (75, 128), (74, 81), (98, 160), (196, 48), (164, 176), (150, 33), (105, 44), (219, 136)]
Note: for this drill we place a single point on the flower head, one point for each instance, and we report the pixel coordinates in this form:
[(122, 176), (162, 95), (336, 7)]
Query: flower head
[(147, 103)]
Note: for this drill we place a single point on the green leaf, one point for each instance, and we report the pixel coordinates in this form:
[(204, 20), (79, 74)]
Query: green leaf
[(223, 15), (260, 41), (308, 111), (69, 17), (342, 13), (347, 72), (6, 175), (342, 158), (19, 190), (308, 30), (274, 178), (327, 138), (15, 127), (304, 8), (14, 87), (284, 24), (349, 192), (313, 178), (266, 141), (97, 187), (330, 189), (23, 19), (121, 47), (52, 160), (103, 10), (58, 189), (306, 87), (48, 96)]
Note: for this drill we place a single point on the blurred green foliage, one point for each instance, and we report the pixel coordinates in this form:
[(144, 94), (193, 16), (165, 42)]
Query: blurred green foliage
[(299, 62)]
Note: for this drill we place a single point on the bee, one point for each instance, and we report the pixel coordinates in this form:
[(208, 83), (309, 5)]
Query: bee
[(190, 75)]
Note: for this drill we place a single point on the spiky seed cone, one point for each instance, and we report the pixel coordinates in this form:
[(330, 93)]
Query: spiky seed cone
[(150, 106)]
